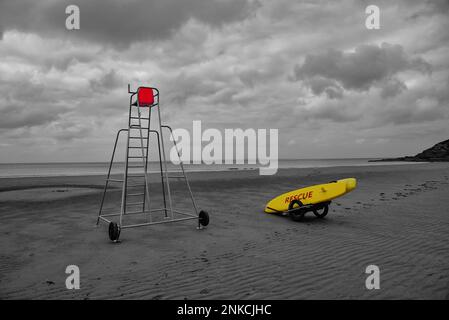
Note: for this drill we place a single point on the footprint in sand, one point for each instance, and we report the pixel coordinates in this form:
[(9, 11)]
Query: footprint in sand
[(204, 291)]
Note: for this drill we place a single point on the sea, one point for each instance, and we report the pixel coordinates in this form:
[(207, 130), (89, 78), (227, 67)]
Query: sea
[(11, 170)]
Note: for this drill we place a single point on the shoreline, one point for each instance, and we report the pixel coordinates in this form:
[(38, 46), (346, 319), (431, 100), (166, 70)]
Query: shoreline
[(97, 181), (368, 164)]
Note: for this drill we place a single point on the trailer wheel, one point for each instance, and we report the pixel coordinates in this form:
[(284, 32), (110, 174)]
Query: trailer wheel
[(321, 212), (203, 218), (295, 210), (114, 231)]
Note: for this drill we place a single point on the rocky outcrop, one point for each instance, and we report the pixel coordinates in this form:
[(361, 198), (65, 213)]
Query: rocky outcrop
[(439, 152)]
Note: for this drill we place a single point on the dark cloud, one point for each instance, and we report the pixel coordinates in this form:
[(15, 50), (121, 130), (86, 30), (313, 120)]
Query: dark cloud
[(432, 7), (413, 114), (68, 130), (338, 111), (329, 86), (108, 81), (25, 104), (392, 87), (117, 22), (190, 85), (19, 116), (439, 6), (368, 65)]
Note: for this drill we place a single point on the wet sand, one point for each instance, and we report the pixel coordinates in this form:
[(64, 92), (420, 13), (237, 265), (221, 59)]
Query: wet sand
[(397, 219)]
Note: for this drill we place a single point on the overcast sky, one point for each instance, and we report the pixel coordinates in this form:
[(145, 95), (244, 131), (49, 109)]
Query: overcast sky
[(312, 69)]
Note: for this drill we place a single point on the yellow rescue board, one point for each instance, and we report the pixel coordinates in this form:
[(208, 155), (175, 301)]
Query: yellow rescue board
[(312, 195)]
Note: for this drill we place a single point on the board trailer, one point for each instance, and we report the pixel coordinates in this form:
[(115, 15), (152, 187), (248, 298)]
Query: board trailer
[(316, 199), (297, 210)]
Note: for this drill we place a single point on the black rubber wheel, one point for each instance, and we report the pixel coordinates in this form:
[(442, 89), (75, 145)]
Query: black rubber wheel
[(114, 231), (321, 212), (297, 213), (203, 218)]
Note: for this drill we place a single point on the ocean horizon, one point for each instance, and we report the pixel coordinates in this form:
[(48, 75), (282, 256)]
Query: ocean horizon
[(52, 169)]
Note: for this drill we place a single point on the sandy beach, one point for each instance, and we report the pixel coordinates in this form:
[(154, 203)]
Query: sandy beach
[(397, 219)]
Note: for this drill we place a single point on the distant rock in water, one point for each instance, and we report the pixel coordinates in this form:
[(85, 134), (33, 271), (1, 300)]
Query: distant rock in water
[(439, 152)]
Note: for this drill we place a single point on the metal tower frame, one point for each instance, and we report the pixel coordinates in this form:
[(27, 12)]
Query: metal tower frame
[(142, 101)]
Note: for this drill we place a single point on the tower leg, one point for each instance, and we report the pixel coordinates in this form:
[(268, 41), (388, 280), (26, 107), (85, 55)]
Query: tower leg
[(165, 163), (109, 174), (161, 169), (125, 174), (182, 169)]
